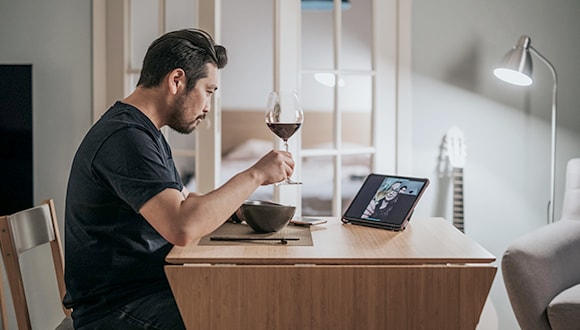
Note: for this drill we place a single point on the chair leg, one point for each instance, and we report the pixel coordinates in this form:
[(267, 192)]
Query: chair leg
[(3, 305)]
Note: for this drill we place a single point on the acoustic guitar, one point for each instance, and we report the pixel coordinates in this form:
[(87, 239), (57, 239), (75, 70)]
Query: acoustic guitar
[(454, 145)]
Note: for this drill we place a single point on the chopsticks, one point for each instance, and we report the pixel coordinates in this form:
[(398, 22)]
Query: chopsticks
[(283, 240)]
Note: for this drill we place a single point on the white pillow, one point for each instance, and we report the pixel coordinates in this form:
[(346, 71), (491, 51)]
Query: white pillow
[(250, 149)]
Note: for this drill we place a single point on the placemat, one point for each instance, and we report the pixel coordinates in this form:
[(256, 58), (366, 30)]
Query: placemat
[(242, 234)]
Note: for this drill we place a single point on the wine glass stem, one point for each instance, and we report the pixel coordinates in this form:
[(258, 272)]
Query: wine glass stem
[(286, 148)]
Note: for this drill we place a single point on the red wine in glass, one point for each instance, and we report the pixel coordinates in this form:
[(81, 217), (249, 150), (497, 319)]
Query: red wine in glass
[(284, 116), (284, 130)]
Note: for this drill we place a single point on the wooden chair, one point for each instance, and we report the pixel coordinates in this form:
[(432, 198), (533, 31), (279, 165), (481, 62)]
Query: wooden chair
[(23, 231)]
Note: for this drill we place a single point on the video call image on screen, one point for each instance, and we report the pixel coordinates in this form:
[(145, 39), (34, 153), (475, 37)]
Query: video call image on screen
[(393, 199)]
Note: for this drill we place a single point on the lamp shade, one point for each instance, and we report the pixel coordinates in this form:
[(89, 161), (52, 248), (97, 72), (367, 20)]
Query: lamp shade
[(516, 66)]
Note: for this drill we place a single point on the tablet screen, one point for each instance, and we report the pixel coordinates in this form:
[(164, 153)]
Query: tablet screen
[(386, 199)]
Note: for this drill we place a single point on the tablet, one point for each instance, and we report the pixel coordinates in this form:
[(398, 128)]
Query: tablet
[(385, 201)]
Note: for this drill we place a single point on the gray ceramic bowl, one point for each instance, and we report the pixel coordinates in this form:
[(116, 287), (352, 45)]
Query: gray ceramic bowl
[(265, 217)]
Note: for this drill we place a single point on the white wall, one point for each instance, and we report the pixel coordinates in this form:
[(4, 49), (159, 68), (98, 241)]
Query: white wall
[(249, 75), (456, 44), (55, 37)]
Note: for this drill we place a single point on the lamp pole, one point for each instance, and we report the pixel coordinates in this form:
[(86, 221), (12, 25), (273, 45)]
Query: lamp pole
[(553, 151)]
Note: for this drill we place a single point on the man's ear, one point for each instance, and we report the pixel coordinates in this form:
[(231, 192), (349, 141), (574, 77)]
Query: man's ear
[(176, 80)]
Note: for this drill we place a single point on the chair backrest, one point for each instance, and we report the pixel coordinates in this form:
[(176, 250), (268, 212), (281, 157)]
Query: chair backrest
[(20, 232), (571, 205)]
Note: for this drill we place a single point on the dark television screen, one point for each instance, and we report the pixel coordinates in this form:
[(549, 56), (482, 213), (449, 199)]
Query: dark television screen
[(16, 192)]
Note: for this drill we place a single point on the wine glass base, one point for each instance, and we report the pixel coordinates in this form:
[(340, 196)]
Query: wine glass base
[(292, 182), (287, 182)]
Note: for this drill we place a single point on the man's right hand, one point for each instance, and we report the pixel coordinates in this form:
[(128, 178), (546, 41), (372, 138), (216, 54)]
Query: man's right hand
[(274, 167)]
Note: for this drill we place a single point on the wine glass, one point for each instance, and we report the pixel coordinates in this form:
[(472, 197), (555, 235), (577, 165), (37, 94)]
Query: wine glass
[(284, 116)]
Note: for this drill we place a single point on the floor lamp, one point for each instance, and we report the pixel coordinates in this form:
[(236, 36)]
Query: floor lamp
[(516, 69)]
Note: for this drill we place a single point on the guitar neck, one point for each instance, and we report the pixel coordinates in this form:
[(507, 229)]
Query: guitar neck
[(458, 198)]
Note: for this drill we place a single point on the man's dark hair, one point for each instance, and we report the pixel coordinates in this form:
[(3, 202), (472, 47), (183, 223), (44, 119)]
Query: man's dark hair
[(188, 49)]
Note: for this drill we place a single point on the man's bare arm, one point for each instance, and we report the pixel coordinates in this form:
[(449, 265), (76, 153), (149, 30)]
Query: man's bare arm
[(181, 217)]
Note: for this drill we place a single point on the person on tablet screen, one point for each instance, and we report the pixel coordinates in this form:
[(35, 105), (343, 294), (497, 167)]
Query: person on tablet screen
[(383, 202)]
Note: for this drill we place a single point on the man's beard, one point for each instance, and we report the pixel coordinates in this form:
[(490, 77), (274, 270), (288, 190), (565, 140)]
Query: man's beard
[(176, 118)]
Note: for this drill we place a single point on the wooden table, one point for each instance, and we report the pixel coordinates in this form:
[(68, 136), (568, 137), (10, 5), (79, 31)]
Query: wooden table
[(430, 276)]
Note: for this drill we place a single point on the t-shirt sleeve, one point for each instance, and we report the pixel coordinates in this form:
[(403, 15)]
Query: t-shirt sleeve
[(136, 166)]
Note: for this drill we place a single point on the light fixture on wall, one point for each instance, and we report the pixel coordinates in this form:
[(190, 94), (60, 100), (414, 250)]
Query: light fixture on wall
[(323, 4), (328, 79), (516, 69)]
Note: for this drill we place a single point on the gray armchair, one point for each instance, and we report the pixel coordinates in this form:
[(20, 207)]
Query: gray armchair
[(541, 270)]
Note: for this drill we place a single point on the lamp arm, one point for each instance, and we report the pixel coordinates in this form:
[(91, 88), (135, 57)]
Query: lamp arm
[(554, 117)]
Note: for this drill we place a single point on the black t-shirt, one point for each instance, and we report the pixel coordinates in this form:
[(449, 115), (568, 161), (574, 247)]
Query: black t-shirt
[(112, 254)]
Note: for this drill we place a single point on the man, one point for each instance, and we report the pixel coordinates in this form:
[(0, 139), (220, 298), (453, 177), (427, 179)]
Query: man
[(126, 206)]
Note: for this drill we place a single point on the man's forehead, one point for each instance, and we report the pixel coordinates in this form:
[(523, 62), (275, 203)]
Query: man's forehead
[(208, 83), (211, 79)]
